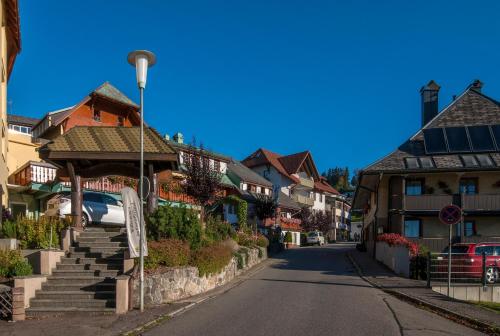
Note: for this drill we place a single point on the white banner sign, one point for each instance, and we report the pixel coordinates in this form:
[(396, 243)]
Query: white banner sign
[(132, 209)]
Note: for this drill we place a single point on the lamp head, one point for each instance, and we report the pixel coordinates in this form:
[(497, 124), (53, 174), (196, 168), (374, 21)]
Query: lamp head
[(141, 60)]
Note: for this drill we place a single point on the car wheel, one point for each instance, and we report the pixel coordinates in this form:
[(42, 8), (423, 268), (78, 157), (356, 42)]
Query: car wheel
[(491, 275), (85, 220)]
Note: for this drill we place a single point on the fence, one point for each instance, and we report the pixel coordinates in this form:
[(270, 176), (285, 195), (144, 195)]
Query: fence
[(466, 268), (5, 303)]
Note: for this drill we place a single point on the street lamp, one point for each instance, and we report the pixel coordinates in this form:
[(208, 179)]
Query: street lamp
[(141, 60)]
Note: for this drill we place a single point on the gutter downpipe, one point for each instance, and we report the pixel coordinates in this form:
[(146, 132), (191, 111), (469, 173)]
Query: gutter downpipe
[(376, 218)]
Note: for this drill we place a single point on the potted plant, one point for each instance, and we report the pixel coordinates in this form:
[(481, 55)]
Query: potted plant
[(288, 239)]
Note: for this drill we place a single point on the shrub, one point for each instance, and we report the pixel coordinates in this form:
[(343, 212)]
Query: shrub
[(13, 264), (288, 237), (394, 239), (168, 253), (34, 233), (9, 229), (176, 223), (244, 239), (262, 241), (239, 260), (217, 230), (261, 254), (211, 259)]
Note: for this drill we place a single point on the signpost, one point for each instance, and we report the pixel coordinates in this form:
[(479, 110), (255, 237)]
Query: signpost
[(450, 215)]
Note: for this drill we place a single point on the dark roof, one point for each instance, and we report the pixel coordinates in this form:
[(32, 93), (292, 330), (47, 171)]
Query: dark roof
[(323, 185), (108, 139), (247, 175), (189, 148), (471, 108), (21, 120), (108, 91)]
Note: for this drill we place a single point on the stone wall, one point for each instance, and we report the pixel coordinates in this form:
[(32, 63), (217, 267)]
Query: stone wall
[(182, 282)]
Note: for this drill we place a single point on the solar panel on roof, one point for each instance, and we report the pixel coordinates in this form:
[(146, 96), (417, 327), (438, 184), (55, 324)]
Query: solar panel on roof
[(496, 134), (457, 139), (480, 138), (434, 140)]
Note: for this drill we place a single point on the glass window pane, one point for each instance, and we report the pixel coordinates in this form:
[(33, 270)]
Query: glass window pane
[(413, 187), (412, 163), (469, 161), (484, 160), (469, 229), (457, 139), (426, 162), (434, 140), (468, 186), (480, 138), (412, 228)]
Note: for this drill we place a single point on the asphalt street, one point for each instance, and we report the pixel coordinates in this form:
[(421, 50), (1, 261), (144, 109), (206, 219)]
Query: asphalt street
[(307, 291)]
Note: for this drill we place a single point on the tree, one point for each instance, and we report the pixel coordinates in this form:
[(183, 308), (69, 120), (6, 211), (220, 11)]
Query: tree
[(307, 219), (265, 206), (354, 179), (203, 181)]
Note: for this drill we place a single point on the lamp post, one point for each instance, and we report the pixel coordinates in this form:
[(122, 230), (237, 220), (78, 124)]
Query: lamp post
[(141, 60)]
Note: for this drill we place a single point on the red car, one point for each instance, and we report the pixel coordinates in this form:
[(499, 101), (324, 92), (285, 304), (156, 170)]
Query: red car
[(467, 261)]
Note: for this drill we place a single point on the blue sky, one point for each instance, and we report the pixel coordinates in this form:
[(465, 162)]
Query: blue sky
[(339, 78)]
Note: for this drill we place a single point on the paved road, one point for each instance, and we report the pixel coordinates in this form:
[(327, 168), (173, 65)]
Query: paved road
[(309, 291)]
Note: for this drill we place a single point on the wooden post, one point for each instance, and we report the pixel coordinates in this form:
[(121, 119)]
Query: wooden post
[(76, 197), (153, 190)]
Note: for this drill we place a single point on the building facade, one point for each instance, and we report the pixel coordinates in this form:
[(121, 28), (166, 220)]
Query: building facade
[(454, 158)]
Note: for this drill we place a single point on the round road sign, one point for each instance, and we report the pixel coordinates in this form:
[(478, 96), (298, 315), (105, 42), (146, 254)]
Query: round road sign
[(450, 214)]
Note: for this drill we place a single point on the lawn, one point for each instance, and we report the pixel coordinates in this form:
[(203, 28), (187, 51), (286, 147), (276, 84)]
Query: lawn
[(489, 305)]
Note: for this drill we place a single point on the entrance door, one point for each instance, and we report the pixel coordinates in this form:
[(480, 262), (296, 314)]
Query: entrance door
[(18, 209)]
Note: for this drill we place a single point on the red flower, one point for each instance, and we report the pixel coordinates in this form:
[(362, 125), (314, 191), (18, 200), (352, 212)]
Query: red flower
[(394, 239)]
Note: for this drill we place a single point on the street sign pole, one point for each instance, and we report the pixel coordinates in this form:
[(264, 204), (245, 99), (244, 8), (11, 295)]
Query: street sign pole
[(449, 261)]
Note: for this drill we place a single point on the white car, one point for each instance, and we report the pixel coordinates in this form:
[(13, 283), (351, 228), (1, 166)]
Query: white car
[(97, 208), (315, 238)]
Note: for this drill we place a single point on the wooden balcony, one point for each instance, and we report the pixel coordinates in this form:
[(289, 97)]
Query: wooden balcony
[(427, 202), (303, 200), (481, 202), (33, 172)]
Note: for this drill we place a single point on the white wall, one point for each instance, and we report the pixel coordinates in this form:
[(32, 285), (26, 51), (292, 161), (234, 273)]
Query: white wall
[(319, 205)]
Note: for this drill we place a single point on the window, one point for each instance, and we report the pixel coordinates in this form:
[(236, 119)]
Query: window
[(92, 197), (412, 163), (468, 186), (469, 228), (412, 228), (469, 161), (414, 187), (20, 129), (109, 200), (97, 115), (121, 121), (488, 250), (426, 162), (484, 160), (496, 133)]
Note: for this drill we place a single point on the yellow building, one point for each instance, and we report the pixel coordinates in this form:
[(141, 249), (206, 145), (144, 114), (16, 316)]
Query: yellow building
[(10, 45)]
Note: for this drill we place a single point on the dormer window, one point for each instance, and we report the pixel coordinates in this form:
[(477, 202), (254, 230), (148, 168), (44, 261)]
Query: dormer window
[(97, 115)]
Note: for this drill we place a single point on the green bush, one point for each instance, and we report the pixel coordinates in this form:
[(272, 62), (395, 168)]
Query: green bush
[(217, 230), (175, 223), (13, 264), (9, 229), (168, 253), (34, 233), (288, 237), (239, 260), (262, 241), (211, 259), (244, 239), (261, 254)]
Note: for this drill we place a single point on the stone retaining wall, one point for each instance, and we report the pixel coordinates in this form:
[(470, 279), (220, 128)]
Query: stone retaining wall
[(182, 282)]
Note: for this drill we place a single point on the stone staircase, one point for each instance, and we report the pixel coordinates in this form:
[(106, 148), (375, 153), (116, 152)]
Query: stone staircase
[(84, 280)]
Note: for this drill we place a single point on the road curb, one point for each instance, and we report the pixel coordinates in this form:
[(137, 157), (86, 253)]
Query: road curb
[(236, 282), (462, 319)]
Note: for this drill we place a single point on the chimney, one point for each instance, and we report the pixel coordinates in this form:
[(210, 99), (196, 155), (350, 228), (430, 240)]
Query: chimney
[(178, 137), (430, 108), (477, 85), (166, 136)]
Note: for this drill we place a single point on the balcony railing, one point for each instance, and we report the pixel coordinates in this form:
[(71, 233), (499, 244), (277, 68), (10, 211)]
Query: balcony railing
[(427, 202), (306, 182), (484, 202), (285, 223), (33, 172), (303, 200)]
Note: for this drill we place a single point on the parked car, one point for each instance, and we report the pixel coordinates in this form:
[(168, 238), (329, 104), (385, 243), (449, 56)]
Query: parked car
[(98, 208), (315, 238), (467, 261)]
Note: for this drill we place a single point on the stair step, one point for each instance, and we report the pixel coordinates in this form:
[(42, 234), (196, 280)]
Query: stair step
[(78, 280), (104, 249), (90, 267), (86, 303), (55, 311), (99, 239), (100, 245), (107, 228), (92, 261), (71, 287), (97, 255), (85, 273), (75, 295)]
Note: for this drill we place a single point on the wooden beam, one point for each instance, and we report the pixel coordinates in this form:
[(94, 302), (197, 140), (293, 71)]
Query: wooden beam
[(76, 197)]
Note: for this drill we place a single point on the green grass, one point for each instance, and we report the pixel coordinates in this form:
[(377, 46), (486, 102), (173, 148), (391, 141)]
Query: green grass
[(489, 305)]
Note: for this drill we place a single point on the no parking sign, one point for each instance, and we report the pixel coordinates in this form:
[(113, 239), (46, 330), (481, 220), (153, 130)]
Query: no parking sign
[(450, 214)]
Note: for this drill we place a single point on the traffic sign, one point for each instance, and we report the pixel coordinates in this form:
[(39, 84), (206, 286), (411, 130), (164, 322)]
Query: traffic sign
[(450, 214)]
